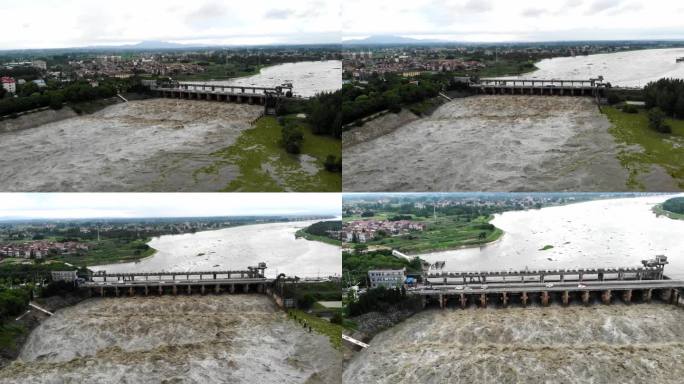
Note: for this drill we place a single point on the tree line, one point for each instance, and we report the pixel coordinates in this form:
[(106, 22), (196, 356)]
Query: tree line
[(388, 92), (32, 97)]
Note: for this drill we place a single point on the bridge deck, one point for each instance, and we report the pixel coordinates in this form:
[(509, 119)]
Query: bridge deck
[(183, 282), (618, 285)]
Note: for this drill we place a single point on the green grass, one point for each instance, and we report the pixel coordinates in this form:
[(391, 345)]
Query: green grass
[(322, 326), (665, 150), (265, 166), (323, 239), (659, 211), (445, 233), (546, 247), (108, 251)]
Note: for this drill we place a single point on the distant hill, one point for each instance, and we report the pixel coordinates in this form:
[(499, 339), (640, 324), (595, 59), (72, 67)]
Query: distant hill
[(150, 44), (390, 40)]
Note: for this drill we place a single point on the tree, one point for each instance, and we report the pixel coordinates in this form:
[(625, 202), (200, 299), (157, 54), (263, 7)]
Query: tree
[(292, 138), (28, 89)]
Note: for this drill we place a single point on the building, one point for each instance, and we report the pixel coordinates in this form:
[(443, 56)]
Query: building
[(64, 276), (40, 64), (388, 278), (40, 83), (9, 84)]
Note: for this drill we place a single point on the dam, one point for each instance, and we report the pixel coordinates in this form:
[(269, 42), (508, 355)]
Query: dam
[(502, 288)]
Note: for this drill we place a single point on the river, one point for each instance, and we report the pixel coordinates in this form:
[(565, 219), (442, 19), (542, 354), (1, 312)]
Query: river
[(236, 248), (635, 344), (496, 143), (623, 69), (174, 339), (599, 233), (145, 145), (308, 78)]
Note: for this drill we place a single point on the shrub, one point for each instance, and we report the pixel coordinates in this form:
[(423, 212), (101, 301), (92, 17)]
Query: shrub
[(628, 108), (656, 120)]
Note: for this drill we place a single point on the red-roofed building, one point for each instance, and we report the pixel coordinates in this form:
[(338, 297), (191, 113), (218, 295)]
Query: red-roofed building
[(9, 84)]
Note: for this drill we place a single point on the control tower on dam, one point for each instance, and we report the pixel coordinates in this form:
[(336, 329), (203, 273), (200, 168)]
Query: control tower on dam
[(565, 286)]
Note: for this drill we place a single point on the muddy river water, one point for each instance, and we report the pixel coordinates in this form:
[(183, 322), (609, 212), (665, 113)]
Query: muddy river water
[(623, 69), (600, 344), (148, 145), (600, 233), (597, 344), (182, 339), (238, 247), (493, 143)]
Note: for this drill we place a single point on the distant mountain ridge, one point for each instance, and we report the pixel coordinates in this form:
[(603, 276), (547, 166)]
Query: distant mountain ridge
[(391, 39)]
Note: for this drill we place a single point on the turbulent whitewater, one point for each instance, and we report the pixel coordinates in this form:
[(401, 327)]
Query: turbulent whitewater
[(601, 344), (492, 143), (148, 145), (174, 339)]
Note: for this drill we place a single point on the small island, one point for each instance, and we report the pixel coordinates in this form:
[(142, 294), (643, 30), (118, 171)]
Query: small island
[(672, 208), (323, 231)]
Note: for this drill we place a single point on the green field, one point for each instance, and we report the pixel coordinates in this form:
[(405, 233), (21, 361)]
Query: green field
[(322, 326), (265, 166), (658, 210), (221, 72), (444, 233), (109, 251), (323, 239), (664, 150)]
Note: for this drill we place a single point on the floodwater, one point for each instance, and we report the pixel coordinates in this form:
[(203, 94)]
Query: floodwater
[(623, 69), (237, 248), (600, 233), (174, 339), (308, 78), (642, 343), (148, 145), (493, 143)]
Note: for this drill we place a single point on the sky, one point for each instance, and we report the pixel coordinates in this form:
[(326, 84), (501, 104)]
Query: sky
[(515, 20), (131, 205), (78, 23)]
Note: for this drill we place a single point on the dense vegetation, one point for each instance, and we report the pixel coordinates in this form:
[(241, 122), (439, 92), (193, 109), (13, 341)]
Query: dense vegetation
[(382, 299), (322, 227), (666, 94), (306, 294), (319, 232), (355, 266), (55, 94), (675, 205), (388, 92)]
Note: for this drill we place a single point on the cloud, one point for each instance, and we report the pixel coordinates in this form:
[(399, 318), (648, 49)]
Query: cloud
[(279, 14), (573, 3), (603, 5), (204, 14), (477, 6), (533, 12)]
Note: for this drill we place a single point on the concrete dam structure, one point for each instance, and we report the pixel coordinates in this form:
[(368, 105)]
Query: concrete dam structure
[(269, 97), (563, 286), (160, 283), (591, 87)]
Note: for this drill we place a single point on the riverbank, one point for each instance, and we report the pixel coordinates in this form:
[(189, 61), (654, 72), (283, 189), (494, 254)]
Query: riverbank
[(265, 166), (660, 211), (15, 334), (311, 237), (443, 234), (654, 160)]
